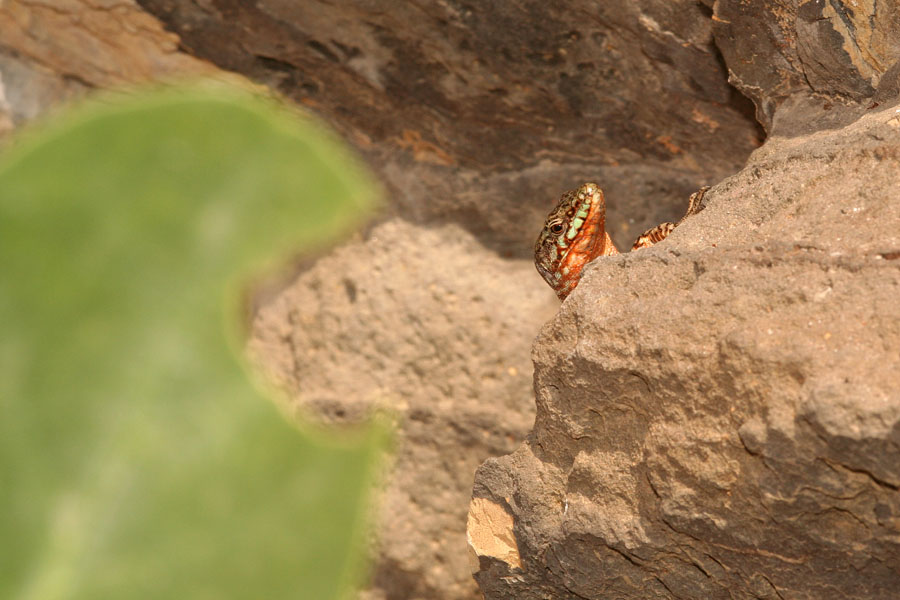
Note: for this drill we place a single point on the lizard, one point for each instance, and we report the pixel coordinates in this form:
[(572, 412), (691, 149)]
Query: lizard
[(574, 234)]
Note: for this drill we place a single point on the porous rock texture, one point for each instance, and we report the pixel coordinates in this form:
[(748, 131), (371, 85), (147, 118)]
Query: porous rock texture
[(398, 331)]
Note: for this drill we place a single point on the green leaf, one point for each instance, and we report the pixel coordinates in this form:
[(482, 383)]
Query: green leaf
[(137, 458)]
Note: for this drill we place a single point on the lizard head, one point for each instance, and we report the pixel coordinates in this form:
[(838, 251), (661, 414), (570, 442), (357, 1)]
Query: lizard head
[(573, 235)]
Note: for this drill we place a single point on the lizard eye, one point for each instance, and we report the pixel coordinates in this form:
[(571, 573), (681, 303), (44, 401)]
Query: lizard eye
[(556, 228)]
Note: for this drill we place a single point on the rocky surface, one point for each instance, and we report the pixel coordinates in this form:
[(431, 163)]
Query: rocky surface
[(472, 110), (443, 347), (476, 117), (679, 448), (53, 52), (800, 58), (719, 416)]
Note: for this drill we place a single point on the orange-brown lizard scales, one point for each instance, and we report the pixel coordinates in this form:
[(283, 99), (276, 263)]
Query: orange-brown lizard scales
[(575, 234)]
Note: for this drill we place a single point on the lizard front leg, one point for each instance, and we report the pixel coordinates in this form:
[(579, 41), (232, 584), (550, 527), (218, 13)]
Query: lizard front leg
[(662, 231)]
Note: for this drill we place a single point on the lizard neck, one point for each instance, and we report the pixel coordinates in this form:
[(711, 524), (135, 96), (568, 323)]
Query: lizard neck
[(587, 246), (573, 235)]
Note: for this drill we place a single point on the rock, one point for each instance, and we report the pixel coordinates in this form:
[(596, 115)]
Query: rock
[(800, 58), (426, 326), (719, 415), (679, 448), (55, 52), (98, 43), (27, 90), (476, 117), (490, 529), (470, 111)]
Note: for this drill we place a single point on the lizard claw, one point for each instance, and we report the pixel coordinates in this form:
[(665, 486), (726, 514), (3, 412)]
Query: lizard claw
[(695, 203)]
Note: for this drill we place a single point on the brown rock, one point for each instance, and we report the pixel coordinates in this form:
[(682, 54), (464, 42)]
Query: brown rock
[(99, 42), (680, 448), (472, 112), (719, 415), (54, 52), (814, 53), (477, 115)]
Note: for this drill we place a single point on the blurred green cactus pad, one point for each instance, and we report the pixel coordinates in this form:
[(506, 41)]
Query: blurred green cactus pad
[(138, 457)]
